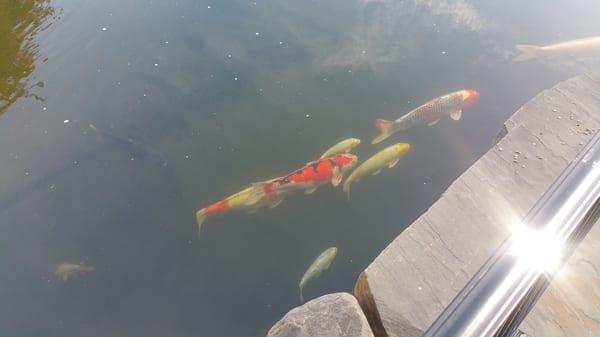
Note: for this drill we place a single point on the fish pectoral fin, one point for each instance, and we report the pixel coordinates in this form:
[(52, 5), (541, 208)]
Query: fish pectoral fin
[(456, 115), (310, 190), (433, 123), (336, 177), (275, 200), (257, 194), (393, 163), (377, 172)]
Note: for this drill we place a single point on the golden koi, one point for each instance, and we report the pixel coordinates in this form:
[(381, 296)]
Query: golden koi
[(429, 113), (317, 267), (345, 146), (578, 47), (66, 270), (387, 157)]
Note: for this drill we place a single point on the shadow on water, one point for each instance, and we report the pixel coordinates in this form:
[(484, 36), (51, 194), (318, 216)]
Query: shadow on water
[(20, 21)]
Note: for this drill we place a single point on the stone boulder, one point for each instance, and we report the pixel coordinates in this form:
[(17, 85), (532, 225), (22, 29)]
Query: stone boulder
[(327, 316)]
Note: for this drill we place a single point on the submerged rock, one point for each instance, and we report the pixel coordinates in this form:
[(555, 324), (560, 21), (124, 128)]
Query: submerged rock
[(327, 316)]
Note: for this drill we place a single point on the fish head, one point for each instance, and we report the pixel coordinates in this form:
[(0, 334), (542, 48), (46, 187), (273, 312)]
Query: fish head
[(401, 148), (469, 97), (345, 161), (333, 251), (355, 142)]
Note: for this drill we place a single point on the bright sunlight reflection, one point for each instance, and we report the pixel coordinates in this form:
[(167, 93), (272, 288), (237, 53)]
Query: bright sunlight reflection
[(536, 249)]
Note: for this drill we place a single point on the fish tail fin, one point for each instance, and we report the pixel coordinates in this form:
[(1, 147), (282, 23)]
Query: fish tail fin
[(200, 216), (301, 296), (528, 52), (385, 129)]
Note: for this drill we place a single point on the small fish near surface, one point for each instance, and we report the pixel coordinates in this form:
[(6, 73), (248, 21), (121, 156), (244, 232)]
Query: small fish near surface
[(237, 201), (387, 157), (430, 113), (308, 178), (345, 146), (317, 267), (581, 47), (67, 270)]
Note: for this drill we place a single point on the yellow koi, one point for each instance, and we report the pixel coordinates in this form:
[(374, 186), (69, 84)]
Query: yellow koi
[(317, 267), (345, 146), (66, 270), (387, 157)]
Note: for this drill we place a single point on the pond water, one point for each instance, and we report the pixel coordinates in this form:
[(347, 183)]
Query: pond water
[(119, 120)]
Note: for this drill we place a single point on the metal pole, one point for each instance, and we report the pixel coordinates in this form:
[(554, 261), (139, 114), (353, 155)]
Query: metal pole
[(504, 290)]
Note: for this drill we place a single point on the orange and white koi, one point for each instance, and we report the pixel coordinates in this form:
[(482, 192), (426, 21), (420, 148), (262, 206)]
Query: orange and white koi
[(429, 113), (236, 202), (308, 178)]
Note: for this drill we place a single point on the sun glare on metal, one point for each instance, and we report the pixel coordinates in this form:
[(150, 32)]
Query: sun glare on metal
[(536, 249)]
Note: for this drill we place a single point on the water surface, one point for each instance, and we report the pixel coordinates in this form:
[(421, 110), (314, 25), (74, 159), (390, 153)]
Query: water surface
[(196, 99)]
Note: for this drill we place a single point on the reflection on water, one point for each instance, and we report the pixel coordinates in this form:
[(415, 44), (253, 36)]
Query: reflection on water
[(229, 92), (20, 21)]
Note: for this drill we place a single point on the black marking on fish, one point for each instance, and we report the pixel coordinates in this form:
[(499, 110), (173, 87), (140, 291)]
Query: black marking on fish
[(315, 166)]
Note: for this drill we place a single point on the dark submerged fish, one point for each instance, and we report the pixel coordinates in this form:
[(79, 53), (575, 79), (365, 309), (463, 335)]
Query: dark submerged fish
[(131, 146)]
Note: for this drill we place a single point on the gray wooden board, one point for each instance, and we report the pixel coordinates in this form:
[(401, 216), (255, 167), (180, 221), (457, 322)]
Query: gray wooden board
[(419, 273)]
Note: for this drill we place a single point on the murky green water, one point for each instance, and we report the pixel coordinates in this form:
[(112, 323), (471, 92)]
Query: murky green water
[(228, 92)]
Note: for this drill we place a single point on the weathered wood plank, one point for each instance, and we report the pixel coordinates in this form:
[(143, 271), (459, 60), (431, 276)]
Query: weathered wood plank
[(419, 273)]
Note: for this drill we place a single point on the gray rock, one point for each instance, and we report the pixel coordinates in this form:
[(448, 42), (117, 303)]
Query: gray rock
[(327, 316)]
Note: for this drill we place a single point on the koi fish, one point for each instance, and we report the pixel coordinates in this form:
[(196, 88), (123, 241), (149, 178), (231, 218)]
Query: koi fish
[(574, 47), (66, 270), (237, 202), (387, 157), (135, 148), (317, 267), (345, 146), (308, 178), (429, 113)]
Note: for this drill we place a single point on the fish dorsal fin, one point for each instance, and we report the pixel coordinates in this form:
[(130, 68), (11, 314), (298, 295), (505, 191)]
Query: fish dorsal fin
[(394, 162), (310, 190), (433, 123), (456, 114), (336, 177), (377, 172)]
